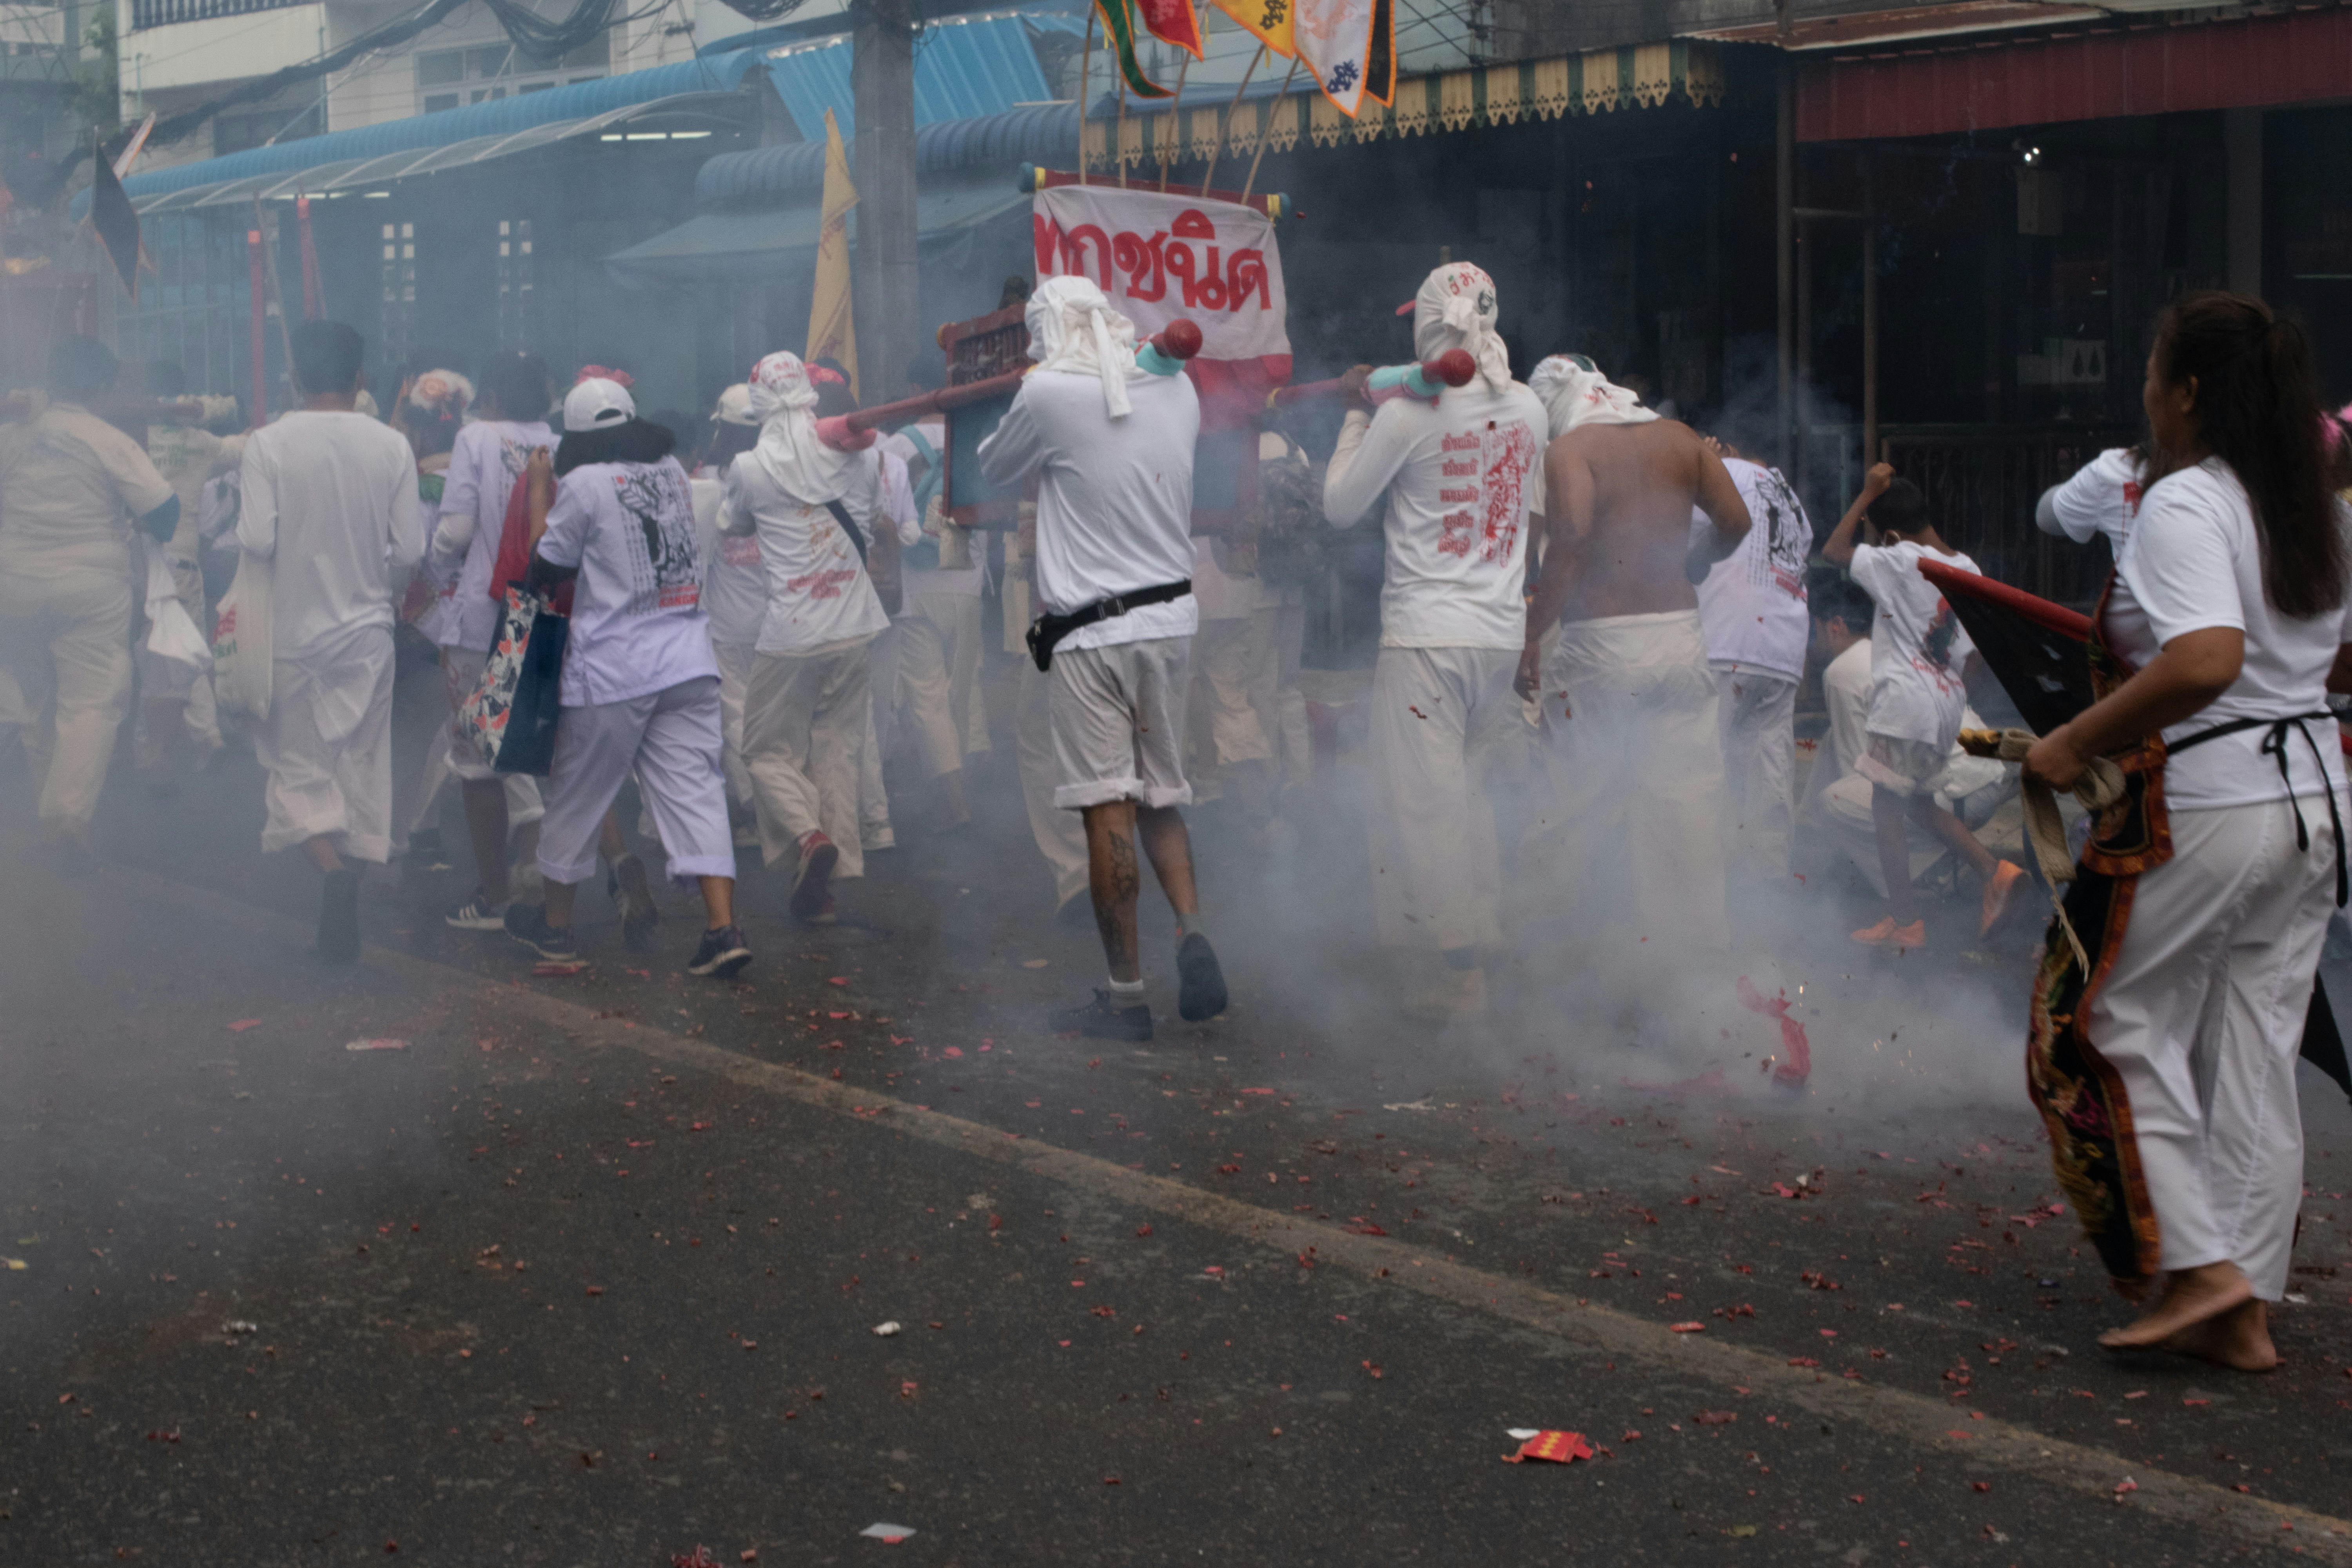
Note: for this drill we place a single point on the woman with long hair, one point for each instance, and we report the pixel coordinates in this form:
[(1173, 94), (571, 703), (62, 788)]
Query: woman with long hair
[(2165, 1067)]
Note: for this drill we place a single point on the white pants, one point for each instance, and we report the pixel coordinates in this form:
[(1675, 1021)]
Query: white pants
[(670, 739), (881, 680), (328, 748), (2201, 1014), (804, 735), (461, 668), (1756, 720), (1433, 712), (1636, 768), (734, 660), (937, 684), (66, 641), (1117, 715), (1061, 835)]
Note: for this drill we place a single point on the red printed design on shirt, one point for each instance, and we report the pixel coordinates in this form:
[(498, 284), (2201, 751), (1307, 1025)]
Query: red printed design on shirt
[(2132, 493), (1457, 530), (823, 584), (1507, 453), (1934, 656)]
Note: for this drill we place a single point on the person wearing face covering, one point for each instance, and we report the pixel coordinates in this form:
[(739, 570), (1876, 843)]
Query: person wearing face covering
[(804, 710), (1460, 477), (1110, 445), (1628, 698)]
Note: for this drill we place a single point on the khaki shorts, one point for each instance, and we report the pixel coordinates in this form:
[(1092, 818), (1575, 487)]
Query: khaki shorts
[(1117, 717), (1905, 767)]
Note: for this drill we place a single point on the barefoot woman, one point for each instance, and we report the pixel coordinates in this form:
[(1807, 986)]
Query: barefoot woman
[(2167, 1077)]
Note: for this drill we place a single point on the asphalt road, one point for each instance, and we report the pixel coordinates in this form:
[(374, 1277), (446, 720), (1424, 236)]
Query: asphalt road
[(589, 1270)]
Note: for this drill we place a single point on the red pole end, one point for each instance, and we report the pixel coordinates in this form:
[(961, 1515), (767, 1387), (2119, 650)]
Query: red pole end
[(1180, 339), (1455, 367)]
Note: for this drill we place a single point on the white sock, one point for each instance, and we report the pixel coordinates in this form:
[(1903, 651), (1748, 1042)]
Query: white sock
[(1127, 992)]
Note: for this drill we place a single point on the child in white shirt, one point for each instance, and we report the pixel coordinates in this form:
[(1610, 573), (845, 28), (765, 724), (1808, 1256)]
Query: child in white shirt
[(1917, 653)]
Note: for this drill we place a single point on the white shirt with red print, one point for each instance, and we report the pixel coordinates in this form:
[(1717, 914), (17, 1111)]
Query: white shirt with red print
[(1917, 647), (2103, 497), (1462, 476)]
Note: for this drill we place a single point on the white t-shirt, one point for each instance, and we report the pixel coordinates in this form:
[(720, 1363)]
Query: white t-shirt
[(637, 624), (332, 499), (2102, 497), (484, 461), (1846, 691), (1917, 647), (1462, 479), (2191, 563), (1752, 605), (819, 596), (734, 579), (1114, 497)]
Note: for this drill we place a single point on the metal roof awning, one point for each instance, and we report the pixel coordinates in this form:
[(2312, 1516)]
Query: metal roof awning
[(360, 175), (1854, 29), (1597, 81), (712, 247)]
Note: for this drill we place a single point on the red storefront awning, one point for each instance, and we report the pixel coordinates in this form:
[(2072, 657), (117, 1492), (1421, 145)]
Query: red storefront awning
[(2103, 73)]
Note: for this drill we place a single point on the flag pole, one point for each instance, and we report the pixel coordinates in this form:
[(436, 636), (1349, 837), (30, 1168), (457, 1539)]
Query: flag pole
[(1232, 109), (1086, 65), (1265, 127), (1119, 137)]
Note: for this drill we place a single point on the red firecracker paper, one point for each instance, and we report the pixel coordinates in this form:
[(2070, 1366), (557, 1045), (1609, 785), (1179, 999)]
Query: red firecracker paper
[(1560, 1447)]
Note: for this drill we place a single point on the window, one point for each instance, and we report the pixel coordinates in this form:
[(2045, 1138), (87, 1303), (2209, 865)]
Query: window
[(399, 290), (486, 72), (514, 282)]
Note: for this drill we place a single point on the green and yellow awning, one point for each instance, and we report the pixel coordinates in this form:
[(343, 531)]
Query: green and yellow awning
[(1598, 81)]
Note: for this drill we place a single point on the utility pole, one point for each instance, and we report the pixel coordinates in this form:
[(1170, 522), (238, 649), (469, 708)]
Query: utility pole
[(882, 163)]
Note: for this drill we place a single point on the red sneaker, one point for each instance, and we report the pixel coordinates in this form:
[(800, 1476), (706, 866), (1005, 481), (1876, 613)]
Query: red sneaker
[(1886, 934)]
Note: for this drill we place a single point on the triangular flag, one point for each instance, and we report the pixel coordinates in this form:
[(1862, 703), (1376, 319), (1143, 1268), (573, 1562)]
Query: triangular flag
[(1350, 46), (115, 221), (832, 333), (1171, 22), (1119, 27), (1267, 20)]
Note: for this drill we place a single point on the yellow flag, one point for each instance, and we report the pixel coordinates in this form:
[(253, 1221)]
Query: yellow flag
[(1268, 19), (832, 335)]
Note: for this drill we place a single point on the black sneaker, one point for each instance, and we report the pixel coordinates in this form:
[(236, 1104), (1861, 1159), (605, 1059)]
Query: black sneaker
[(526, 923), (1201, 983), (338, 918), (638, 915), (477, 913), (1104, 1019), (722, 953)]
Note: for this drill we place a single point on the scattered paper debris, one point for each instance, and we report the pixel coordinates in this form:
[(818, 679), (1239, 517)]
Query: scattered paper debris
[(15, 1265), (885, 1331), (1558, 1447), (889, 1534), (1687, 1328), (1409, 1105), (375, 1045), (240, 1326)]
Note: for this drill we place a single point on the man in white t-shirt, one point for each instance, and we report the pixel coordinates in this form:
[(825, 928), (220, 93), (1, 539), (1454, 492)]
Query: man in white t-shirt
[(734, 589), (1630, 705), (1751, 607), (805, 714), (1919, 654), (485, 463), (1459, 475), (2100, 500), (329, 496), (1109, 443)]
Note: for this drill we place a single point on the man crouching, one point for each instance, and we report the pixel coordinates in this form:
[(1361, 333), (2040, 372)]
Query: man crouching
[(1110, 445)]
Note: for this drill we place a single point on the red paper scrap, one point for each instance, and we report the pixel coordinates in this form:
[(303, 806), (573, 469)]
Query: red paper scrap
[(1560, 1447), (240, 1025), (1799, 1065), (1688, 1328)]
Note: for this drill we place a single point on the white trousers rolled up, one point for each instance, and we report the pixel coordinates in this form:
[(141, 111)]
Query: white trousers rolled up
[(1756, 715), (1435, 869), (2201, 1014), (805, 721), (671, 739), (328, 747)]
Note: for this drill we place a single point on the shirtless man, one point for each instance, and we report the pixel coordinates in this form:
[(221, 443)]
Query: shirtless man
[(1627, 696)]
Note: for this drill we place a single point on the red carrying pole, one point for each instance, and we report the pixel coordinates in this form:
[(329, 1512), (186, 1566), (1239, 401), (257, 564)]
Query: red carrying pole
[(260, 328), (314, 292)]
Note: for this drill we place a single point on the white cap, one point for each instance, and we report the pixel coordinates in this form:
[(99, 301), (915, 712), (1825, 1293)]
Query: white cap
[(596, 403), (735, 406)]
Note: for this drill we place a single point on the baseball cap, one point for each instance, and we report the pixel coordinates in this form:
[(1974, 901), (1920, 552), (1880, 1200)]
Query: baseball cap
[(595, 403), (735, 406)]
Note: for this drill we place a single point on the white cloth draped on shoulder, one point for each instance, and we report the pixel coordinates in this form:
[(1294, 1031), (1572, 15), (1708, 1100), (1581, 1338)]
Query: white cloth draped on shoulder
[(803, 466)]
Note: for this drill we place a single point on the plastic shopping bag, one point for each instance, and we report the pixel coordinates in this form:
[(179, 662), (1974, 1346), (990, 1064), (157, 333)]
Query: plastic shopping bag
[(241, 641), (172, 632)]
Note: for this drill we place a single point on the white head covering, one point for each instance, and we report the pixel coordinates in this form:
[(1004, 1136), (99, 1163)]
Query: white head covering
[(1574, 392), (442, 391), (1073, 328), (1455, 309), (596, 403), (783, 399), (735, 406)]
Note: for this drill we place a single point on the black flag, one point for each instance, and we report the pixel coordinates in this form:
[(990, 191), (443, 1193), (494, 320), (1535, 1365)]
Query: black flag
[(117, 224)]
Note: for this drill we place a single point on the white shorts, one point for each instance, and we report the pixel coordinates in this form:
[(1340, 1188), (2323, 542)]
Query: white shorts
[(1118, 716)]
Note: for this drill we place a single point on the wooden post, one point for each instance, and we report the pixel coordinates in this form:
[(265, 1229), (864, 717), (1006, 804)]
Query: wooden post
[(882, 163), (1869, 314), (1218, 151), (1085, 68), (1785, 248)]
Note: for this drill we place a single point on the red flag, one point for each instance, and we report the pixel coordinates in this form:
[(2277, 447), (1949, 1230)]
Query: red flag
[(1171, 22)]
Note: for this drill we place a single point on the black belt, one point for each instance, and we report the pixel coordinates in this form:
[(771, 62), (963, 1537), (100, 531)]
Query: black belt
[(1049, 629), (2274, 746)]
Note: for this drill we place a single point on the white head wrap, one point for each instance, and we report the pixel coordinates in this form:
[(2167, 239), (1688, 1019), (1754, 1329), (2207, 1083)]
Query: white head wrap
[(1574, 392), (1455, 309), (784, 400), (1073, 328), (443, 392)]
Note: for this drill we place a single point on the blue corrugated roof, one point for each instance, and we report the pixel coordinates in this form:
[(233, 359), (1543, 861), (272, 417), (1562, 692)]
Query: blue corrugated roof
[(580, 101), (1046, 133), (965, 66)]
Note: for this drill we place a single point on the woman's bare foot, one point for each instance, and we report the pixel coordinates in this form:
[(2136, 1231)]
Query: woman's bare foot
[(2135, 1291), (2191, 1296), (2239, 1339)]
